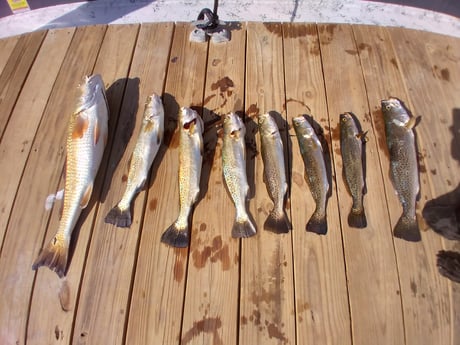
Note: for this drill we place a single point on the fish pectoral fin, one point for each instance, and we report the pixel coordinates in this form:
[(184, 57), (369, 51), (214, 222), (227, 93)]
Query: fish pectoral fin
[(363, 136), (411, 123), (85, 200), (80, 127)]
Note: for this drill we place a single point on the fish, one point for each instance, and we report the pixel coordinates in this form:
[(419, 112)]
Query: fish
[(274, 173), (190, 163), (234, 171), (351, 147), (400, 141), (315, 172), (148, 143), (86, 140)]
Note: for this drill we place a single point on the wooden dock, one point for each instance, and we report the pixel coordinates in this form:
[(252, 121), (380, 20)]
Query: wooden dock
[(123, 286)]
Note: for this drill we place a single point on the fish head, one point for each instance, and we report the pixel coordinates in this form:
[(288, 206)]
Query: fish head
[(267, 125), (303, 127), (153, 107), (190, 120), (394, 111), (234, 126), (90, 88), (347, 124)]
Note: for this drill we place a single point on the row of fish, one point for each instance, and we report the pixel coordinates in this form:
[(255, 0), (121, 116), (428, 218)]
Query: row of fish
[(87, 136)]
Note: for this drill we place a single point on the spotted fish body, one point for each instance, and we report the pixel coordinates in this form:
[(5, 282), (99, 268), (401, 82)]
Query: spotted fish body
[(147, 146), (234, 170), (315, 172), (351, 147), (190, 162), (274, 173), (86, 140), (403, 165)]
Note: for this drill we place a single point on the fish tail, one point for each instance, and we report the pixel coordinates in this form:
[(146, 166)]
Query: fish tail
[(175, 237), (119, 217), (357, 218), (449, 264), (407, 229), (277, 223), (243, 229), (317, 224), (54, 256)]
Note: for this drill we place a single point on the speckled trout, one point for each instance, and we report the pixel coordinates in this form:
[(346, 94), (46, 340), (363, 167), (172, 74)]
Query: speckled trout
[(315, 172), (86, 140), (234, 170), (190, 162), (274, 173), (351, 147), (147, 146), (403, 165)]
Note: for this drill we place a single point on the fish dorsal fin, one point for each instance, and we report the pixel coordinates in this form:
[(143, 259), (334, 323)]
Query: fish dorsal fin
[(81, 126), (85, 200)]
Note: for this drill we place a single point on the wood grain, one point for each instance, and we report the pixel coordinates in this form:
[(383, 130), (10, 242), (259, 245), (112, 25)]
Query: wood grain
[(15, 72), (26, 229), (369, 252), (322, 312), (267, 299), (6, 48), (112, 63)]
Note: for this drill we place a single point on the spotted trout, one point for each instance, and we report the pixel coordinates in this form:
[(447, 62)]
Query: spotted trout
[(86, 140), (234, 170), (403, 165), (274, 173), (351, 147), (190, 162), (147, 146), (315, 172)]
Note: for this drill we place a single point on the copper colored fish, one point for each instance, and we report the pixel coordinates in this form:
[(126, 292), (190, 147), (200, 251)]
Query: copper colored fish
[(86, 140)]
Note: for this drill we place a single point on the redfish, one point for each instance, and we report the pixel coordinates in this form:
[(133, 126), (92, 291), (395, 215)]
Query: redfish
[(86, 140)]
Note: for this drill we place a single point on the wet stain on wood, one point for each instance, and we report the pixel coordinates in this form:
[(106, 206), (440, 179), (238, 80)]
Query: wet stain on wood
[(217, 251), (206, 325), (153, 204)]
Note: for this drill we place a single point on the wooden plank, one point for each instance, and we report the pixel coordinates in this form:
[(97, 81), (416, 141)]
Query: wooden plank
[(444, 54), (15, 72), (428, 99), (322, 311), (369, 252), (101, 312), (211, 302), (267, 296), (6, 48), (28, 221), (159, 320), (113, 62), (26, 116)]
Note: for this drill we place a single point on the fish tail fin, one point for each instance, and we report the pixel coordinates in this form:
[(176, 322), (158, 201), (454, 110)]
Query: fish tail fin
[(277, 223), (243, 229), (119, 217), (357, 219), (407, 229), (54, 256), (175, 237), (317, 224), (448, 263)]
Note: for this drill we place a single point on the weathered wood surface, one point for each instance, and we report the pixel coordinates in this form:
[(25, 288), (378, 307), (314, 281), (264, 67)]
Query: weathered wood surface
[(123, 286)]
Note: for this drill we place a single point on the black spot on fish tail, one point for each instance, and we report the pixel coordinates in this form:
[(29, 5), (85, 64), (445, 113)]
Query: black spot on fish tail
[(175, 237), (407, 229), (118, 217), (317, 224), (54, 256), (449, 265), (357, 219), (243, 229), (278, 224)]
